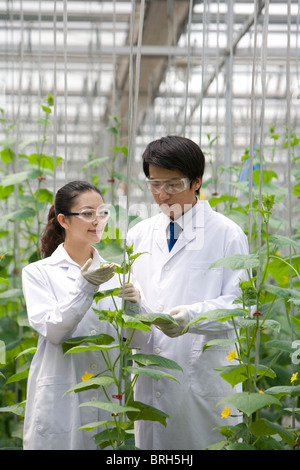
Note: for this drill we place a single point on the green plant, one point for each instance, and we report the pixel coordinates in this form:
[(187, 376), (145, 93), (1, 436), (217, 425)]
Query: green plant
[(265, 359), (267, 345), (118, 431), (24, 201)]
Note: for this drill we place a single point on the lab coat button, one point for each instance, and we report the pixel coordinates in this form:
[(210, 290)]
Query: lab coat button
[(93, 366), (157, 350), (93, 332), (160, 308), (167, 267), (157, 394)]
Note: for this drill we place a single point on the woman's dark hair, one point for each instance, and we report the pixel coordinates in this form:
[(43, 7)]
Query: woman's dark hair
[(175, 153), (54, 233)]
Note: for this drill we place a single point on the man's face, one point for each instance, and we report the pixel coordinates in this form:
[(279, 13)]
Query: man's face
[(173, 205)]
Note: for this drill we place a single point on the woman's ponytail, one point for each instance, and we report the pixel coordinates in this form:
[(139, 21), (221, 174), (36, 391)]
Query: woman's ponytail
[(53, 234)]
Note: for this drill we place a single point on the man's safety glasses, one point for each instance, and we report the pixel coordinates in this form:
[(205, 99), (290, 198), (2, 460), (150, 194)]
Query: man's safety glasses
[(171, 186), (90, 215)]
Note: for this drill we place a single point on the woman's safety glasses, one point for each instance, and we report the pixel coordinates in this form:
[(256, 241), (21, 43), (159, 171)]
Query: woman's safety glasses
[(91, 215), (171, 186)]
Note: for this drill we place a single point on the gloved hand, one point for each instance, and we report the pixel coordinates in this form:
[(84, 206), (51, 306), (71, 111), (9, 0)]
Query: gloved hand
[(182, 317), (99, 275), (133, 298)]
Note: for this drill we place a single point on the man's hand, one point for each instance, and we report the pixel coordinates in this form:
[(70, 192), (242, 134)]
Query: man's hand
[(133, 298), (130, 293), (181, 316)]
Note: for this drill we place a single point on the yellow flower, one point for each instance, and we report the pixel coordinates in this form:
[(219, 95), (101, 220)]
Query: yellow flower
[(226, 412), (232, 355), (86, 376), (294, 377), (261, 391)]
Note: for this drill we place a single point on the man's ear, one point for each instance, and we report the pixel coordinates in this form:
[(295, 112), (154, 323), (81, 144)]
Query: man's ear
[(197, 183)]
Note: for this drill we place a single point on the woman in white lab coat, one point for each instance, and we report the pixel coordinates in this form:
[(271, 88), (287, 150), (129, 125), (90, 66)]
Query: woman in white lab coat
[(179, 282), (59, 291)]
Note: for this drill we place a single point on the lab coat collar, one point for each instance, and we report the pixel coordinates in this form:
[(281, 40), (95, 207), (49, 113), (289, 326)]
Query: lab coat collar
[(189, 222), (62, 258)]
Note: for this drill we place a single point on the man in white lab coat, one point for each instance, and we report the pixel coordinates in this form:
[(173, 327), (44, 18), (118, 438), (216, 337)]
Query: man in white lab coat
[(177, 280)]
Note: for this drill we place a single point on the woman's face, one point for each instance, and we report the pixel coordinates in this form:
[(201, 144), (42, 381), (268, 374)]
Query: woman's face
[(77, 228)]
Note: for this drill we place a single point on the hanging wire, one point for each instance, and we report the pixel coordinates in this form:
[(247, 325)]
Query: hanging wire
[(55, 99), (217, 95), (289, 156), (228, 83), (134, 104), (169, 97), (16, 254), (114, 103), (133, 109), (202, 70), (65, 21), (39, 71), (188, 66), (264, 49), (252, 117), (16, 233)]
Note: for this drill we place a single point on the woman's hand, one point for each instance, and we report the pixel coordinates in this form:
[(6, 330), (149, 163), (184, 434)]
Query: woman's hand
[(99, 275)]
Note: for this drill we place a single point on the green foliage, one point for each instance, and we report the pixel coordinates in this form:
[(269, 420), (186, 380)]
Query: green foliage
[(267, 330), (127, 411), (24, 203), (266, 315), (25, 195)]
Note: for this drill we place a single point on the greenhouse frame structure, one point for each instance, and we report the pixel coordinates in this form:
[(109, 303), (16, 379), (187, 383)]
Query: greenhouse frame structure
[(85, 86)]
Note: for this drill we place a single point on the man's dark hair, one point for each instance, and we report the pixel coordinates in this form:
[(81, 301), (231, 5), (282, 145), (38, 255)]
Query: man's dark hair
[(175, 153)]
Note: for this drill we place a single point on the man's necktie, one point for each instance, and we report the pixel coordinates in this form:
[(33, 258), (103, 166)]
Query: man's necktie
[(173, 237)]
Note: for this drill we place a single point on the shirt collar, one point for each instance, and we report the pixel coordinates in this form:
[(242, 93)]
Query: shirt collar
[(61, 256), (192, 216)]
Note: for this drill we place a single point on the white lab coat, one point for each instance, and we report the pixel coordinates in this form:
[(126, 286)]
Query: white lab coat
[(59, 302), (182, 277)]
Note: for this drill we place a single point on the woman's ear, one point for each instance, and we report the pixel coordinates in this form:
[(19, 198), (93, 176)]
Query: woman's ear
[(61, 218)]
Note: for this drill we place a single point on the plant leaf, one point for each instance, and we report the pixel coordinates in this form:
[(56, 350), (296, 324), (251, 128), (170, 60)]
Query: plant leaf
[(94, 382), (220, 342), (17, 178), (220, 314), (154, 360), (248, 403), (146, 413), (155, 374), (101, 339), (240, 373), (94, 163), (238, 261), (106, 293), (264, 427), (111, 407), (18, 409)]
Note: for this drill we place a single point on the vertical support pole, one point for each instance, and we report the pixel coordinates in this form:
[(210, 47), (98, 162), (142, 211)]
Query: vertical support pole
[(228, 119), (65, 19), (55, 100)]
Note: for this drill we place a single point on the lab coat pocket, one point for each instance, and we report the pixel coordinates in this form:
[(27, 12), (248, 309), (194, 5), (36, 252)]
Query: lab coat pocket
[(53, 410), (204, 377), (204, 283)]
